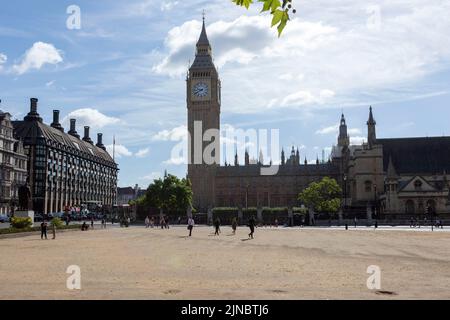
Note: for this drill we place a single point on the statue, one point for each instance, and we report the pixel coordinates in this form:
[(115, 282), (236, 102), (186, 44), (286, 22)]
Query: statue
[(25, 197)]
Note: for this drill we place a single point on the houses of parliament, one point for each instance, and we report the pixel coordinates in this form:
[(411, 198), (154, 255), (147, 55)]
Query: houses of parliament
[(399, 176)]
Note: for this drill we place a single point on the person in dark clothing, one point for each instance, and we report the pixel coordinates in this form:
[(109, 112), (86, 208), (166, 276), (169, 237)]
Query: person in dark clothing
[(217, 226), (251, 225), (44, 230), (234, 225), (92, 222)]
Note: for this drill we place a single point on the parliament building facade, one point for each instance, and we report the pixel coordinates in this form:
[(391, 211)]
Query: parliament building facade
[(384, 176), (64, 169)]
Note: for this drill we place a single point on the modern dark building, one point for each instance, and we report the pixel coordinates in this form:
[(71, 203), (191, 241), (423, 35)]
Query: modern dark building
[(65, 170)]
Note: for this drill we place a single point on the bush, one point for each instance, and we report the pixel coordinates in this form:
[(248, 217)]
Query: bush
[(57, 222), (225, 210), (21, 223)]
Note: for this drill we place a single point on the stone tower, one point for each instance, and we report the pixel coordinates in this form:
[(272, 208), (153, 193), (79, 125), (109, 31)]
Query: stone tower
[(344, 138), (203, 90)]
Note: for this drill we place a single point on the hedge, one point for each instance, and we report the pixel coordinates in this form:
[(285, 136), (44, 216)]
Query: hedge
[(34, 229)]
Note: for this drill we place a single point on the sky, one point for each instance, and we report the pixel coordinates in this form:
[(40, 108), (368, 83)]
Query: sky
[(123, 71)]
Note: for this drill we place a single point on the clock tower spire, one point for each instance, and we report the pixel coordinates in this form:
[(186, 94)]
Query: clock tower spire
[(203, 89)]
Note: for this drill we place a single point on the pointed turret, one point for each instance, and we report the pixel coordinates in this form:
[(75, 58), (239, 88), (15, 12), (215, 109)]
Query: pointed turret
[(371, 129), (261, 157), (283, 158), (203, 40), (391, 173), (203, 56)]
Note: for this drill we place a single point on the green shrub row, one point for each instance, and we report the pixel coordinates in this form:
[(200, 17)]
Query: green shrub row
[(253, 210), (34, 229)]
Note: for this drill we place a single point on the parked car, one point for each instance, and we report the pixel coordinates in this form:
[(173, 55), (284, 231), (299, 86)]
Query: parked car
[(4, 219), (38, 217)]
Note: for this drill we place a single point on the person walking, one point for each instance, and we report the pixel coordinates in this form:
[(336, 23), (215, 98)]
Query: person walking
[(191, 224), (147, 222), (152, 222), (167, 222), (162, 222), (92, 222), (44, 230), (251, 225), (54, 231), (217, 226), (234, 225), (355, 221)]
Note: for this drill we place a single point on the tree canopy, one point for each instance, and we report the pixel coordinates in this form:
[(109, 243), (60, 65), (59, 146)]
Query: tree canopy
[(322, 196), (169, 194), (279, 9)]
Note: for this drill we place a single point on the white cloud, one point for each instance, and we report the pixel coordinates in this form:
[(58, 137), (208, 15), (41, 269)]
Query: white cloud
[(176, 161), (334, 129), (357, 140), (142, 153), (120, 151), (354, 131), (176, 134), (328, 130), (3, 59), (322, 60), (168, 5), (50, 83), (152, 176), (37, 56), (90, 117)]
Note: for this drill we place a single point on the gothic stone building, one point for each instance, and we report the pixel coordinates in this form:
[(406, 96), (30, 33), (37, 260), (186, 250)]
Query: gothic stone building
[(65, 170), (390, 176), (13, 165)]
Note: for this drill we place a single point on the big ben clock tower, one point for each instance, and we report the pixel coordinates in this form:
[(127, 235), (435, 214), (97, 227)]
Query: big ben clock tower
[(203, 104)]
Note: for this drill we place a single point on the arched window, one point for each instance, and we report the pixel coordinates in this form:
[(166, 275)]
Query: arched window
[(409, 207)]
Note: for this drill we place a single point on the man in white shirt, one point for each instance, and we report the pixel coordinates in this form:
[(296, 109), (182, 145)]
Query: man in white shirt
[(190, 225)]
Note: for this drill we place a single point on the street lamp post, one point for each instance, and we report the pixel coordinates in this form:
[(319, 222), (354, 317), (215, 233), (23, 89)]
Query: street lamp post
[(246, 196), (345, 191), (376, 206)]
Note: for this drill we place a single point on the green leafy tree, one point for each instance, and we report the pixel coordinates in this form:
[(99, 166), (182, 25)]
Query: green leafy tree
[(322, 196), (169, 194), (279, 9)]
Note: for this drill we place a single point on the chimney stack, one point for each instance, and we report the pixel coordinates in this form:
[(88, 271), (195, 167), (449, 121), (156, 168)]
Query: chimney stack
[(55, 124), (33, 105), (73, 130), (100, 141), (86, 135), (33, 115)]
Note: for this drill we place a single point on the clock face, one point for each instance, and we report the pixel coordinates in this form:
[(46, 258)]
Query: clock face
[(200, 90)]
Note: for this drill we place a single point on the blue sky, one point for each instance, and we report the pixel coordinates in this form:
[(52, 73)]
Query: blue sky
[(123, 72)]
